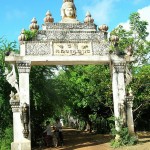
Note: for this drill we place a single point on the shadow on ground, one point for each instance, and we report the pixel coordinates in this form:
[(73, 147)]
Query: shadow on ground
[(74, 139), (77, 140)]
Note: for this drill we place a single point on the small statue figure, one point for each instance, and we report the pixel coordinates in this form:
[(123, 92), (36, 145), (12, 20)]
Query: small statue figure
[(130, 92), (128, 76), (12, 96), (25, 119), (14, 99)]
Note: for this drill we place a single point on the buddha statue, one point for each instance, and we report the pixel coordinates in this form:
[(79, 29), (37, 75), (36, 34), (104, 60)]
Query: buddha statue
[(68, 12)]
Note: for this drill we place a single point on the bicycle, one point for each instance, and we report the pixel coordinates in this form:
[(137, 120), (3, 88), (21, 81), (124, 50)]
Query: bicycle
[(41, 143), (57, 139)]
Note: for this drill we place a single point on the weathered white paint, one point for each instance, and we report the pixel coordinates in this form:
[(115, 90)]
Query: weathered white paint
[(130, 121), (17, 126), (121, 91), (61, 60), (115, 95), (20, 142)]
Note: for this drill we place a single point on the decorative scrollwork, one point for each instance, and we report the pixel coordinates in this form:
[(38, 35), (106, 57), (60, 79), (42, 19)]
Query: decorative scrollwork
[(24, 66), (120, 67)]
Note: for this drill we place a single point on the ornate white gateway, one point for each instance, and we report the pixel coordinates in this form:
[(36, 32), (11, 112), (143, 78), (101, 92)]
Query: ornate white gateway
[(69, 42)]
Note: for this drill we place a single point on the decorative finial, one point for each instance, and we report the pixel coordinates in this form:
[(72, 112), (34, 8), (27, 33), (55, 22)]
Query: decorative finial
[(114, 39), (103, 28), (34, 25), (22, 36), (88, 19), (129, 50), (48, 18)]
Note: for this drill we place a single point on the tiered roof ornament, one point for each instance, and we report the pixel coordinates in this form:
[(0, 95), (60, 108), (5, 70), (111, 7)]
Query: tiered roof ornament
[(34, 25), (48, 18), (22, 36), (88, 19), (104, 28)]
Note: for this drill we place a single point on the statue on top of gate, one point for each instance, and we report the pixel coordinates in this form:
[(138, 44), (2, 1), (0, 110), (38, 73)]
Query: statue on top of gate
[(68, 12)]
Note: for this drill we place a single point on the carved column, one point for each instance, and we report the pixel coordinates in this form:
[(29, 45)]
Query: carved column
[(120, 68), (130, 123), (15, 105), (118, 84), (23, 140)]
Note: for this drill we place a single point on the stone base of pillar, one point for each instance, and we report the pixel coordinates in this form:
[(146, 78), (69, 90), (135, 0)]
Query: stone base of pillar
[(131, 129), (21, 146)]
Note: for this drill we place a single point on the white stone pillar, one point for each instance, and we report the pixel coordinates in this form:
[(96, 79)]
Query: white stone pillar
[(115, 95), (20, 141), (118, 85), (15, 105), (120, 68), (130, 122)]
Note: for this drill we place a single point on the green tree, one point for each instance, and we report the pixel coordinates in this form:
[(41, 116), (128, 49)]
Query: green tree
[(45, 99), (141, 88), (5, 88), (134, 39), (88, 91)]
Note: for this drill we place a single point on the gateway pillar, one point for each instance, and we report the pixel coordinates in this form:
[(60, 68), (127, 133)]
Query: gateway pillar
[(21, 114)]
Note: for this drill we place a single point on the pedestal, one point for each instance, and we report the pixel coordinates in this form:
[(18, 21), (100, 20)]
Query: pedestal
[(21, 145)]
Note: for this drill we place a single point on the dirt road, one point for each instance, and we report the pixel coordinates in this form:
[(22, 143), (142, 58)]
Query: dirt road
[(76, 140)]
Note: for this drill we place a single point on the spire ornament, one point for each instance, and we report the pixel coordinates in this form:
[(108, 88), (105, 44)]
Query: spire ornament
[(48, 18), (34, 25), (88, 19), (104, 28), (22, 36)]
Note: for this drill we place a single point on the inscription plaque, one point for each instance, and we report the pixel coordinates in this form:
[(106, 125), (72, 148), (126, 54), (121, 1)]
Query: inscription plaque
[(72, 49)]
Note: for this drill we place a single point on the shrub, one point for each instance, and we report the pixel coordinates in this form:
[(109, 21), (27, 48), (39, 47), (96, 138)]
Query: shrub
[(124, 138), (30, 34), (6, 139)]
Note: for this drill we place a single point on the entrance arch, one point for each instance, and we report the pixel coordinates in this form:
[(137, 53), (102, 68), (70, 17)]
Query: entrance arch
[(68, 42)]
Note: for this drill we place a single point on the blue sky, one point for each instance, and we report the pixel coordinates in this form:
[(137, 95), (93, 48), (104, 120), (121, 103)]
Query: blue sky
[(17, 14)]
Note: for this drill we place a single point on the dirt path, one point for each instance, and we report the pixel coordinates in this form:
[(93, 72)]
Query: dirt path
[(76, 140)]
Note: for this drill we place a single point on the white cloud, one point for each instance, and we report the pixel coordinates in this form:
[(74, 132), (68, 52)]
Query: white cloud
[(144, 15), (101, 11)]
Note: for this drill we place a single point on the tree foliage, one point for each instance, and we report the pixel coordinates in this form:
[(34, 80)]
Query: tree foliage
[(5, 88), (135, 38), (87, 91)]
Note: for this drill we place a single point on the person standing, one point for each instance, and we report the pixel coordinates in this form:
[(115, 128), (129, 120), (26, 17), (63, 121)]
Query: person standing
[(58, 129), (48, 137)]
